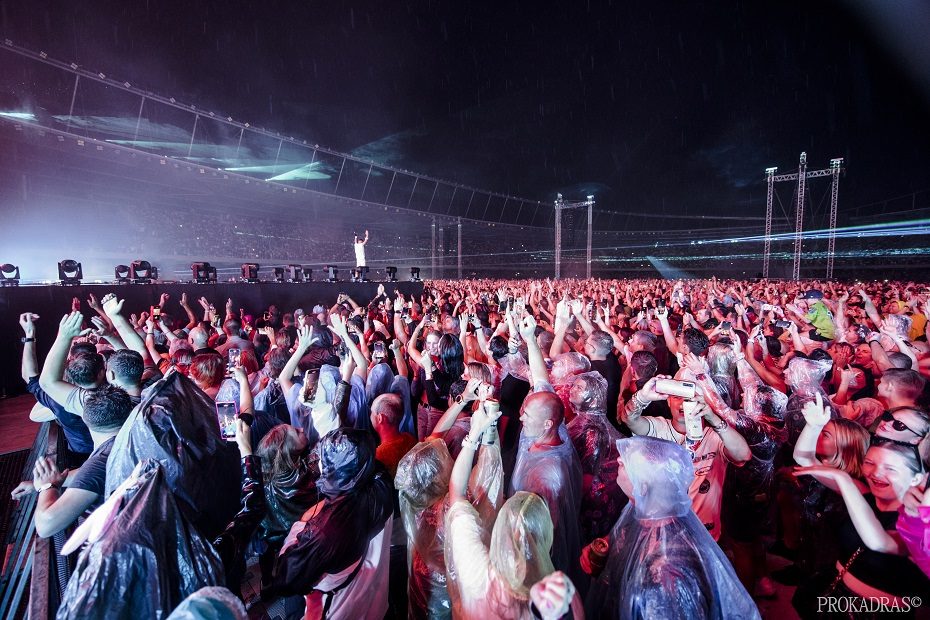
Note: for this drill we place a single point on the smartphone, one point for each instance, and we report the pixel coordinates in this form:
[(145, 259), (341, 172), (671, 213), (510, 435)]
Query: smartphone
[(783, 324), (266, 316), (671, 387), (156, 313), (766, 307), (725, 326), (377, 349), (232, 360), (226, 414)]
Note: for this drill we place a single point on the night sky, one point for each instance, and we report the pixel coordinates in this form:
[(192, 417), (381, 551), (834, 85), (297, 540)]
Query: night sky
[(672, 108)]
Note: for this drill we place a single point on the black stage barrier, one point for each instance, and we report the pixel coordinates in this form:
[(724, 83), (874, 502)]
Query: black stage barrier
[(51, 302)]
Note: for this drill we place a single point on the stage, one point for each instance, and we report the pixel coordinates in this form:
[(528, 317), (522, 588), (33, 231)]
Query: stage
[(51, 302)]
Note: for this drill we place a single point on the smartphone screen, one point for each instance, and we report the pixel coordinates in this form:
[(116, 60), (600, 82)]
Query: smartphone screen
[(156, 313), (226, 416)]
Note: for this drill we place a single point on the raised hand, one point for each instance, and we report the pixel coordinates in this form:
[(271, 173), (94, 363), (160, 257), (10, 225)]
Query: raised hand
[(101, 327), (163, 299), (815, 413), (27, 322), (75, 304), (112, 306), (528, 327), (552, 595), (93, 303), (70, 326)]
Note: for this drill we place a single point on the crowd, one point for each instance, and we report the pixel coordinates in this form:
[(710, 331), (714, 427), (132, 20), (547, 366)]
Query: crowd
[(495, 449)]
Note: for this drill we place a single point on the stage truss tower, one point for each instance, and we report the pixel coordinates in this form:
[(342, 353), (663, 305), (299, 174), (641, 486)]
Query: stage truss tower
[(801, 176), (560, 206)]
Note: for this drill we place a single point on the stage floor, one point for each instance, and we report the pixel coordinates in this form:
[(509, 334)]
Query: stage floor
[(51, 302)]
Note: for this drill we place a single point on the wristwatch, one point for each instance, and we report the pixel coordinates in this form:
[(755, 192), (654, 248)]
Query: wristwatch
[(24, 340), (46, 486)]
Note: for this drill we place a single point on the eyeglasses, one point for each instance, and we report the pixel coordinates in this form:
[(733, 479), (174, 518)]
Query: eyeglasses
[(898, 425), (880, 441)]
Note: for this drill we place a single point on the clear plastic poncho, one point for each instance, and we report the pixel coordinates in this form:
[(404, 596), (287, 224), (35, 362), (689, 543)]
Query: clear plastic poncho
[(381, 380), (422, 482), (566, 365), (804, 377), (662, 561), (594, 439), (721, 360), (492, 579), (555, 475)]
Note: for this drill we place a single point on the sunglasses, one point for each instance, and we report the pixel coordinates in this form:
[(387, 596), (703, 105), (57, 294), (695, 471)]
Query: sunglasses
[(898, 425)]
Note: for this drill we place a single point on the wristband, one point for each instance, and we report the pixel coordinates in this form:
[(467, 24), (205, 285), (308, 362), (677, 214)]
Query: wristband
[(24, 340), (637, 403), (46, 487), (724, 425), (468, 442)]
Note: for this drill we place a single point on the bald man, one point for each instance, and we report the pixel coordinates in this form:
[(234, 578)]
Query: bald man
[(548, 466)]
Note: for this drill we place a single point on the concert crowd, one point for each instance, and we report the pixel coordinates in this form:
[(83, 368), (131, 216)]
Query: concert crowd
[(492, 449)]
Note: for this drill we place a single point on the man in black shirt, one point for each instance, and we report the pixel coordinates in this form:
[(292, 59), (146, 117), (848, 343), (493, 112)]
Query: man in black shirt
[(105, 411), (599, 349)]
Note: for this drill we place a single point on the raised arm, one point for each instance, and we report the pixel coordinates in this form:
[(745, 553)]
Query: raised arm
[(538, 370), (870, 309), (339, 328), (458, 481), (286, 378), (113, 307), (816, 417), (670, 341), (30, 365), (50, 379)]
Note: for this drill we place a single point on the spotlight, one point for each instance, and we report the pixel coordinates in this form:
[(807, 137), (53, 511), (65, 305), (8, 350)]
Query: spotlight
[(250, 272), (295, 273), (279, 274), (332, 273), (9, 275), (415, 274), (203, 273), (70, 272), (391, 273), (142, 272), (308, 273), (121, 274)]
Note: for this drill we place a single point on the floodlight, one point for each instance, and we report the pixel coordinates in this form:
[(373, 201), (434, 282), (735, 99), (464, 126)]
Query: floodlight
[(203, 273), (70, 272), (295, 273), (308, 273), (121, 274), (391, 273), (9, 275), (250, 272), (415, 274), (771, 170), (279, 274), (141, 272), (332, 273)]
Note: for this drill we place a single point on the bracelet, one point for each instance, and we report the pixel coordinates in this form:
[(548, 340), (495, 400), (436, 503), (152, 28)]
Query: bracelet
[(724, 425), (468, 442), (25, 340), (639, 403)]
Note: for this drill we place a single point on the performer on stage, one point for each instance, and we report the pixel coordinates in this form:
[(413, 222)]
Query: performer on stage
[(360, 250)]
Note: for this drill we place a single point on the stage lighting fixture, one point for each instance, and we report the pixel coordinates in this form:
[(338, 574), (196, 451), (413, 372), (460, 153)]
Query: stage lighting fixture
[(279, 274), (203, 273), (415, 274), (121, 274), (332, 273), (142, 272), (295, 273), (70, 272), (9, 275), (391, 273), (250, 272), (308, 273)]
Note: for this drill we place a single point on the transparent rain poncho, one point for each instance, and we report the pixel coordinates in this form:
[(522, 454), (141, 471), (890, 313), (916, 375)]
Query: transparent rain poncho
[(566, 365), (804, 377), (555, 474), (721, 360), (381, 380), (899, 324), (492, 579), (662, 561), (594, 439), (422, 483)]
